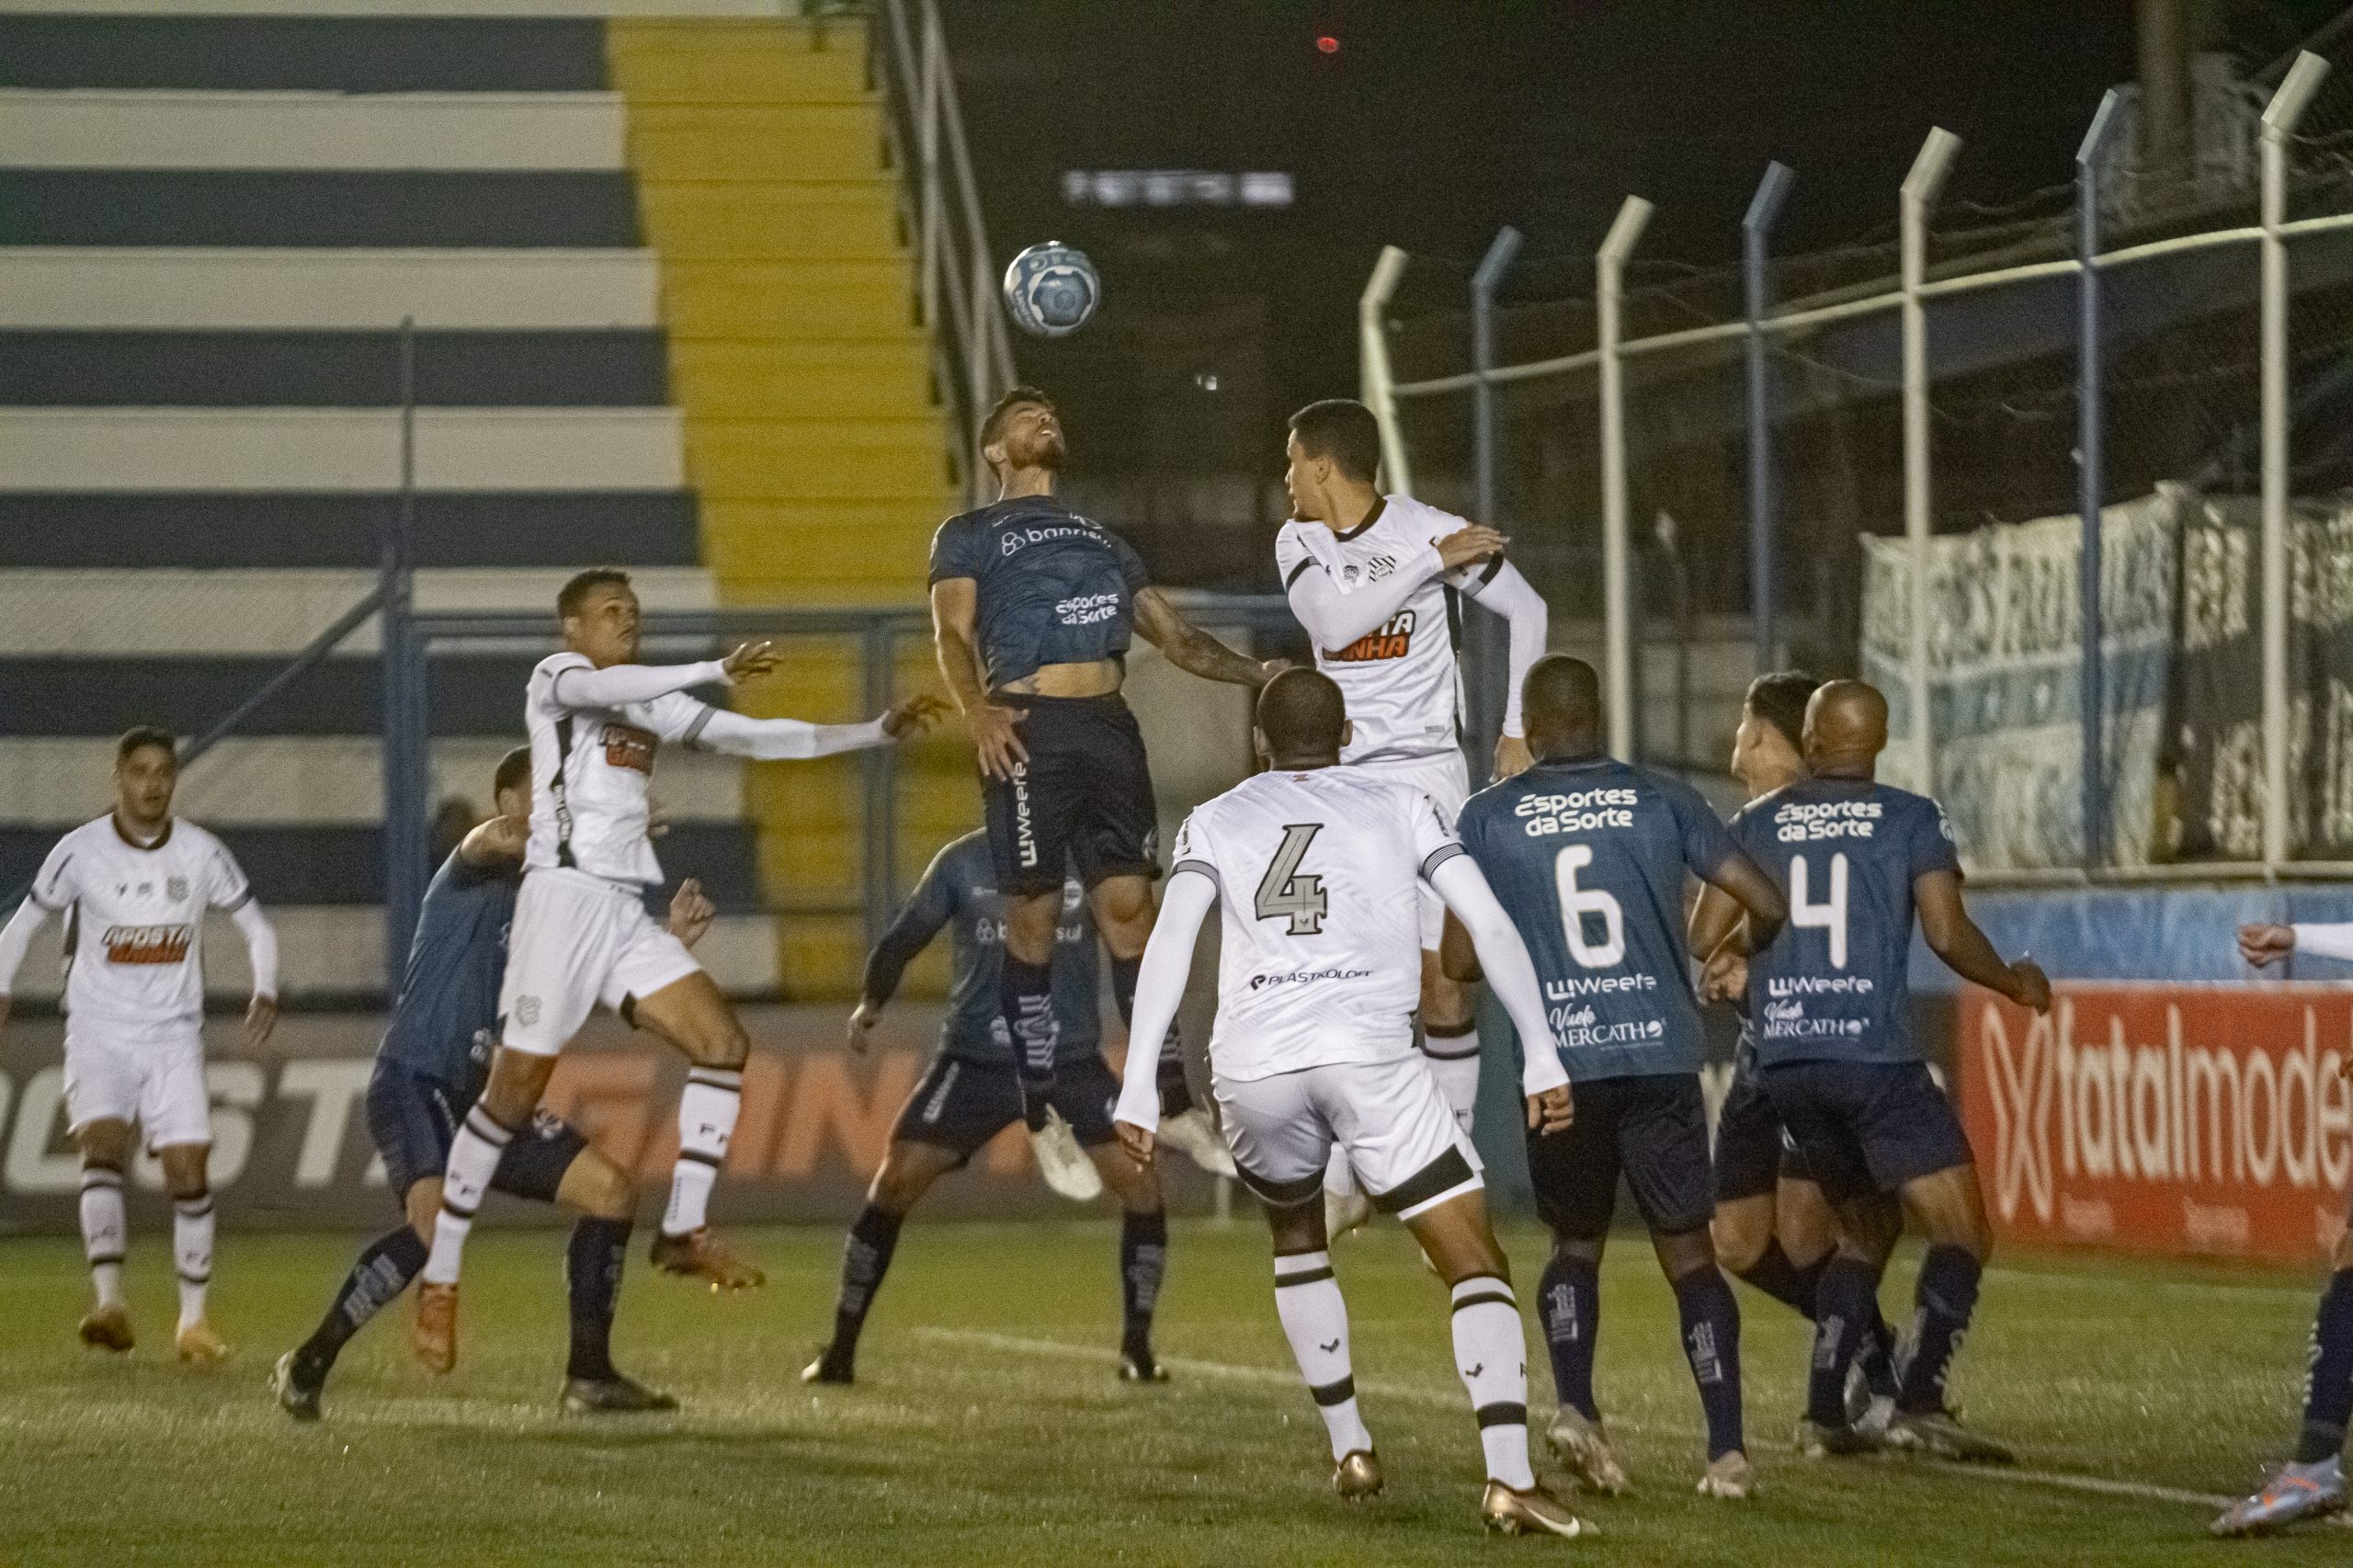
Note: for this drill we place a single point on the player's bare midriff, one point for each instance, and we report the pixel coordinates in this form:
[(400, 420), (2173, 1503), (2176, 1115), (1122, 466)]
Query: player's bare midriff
[(1088, 678)]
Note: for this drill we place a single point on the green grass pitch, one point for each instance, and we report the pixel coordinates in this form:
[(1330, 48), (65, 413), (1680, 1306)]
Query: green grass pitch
[(989, 1428)]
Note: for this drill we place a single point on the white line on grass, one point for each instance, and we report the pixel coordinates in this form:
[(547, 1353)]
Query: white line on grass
[(1271, 1376)]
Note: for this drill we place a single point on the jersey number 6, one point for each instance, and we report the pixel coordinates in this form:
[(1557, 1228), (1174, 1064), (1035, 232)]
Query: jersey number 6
[(1576, 902), (1284, 893)]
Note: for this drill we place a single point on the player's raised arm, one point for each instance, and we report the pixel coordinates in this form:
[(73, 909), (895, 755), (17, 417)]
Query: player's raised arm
[(1333, 619), (922, 917), (1187, 900), (1193, 650), (584, 686)]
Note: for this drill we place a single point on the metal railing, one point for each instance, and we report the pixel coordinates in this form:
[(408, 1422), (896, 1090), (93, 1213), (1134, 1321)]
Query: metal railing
[(971, 349), (1914, 291)]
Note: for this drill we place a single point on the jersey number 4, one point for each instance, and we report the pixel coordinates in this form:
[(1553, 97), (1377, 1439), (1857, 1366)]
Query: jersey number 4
[(1830, 915), (1284, 893), (1576, 902)]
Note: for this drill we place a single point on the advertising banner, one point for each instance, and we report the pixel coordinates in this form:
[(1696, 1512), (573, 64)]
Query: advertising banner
[(2213, 1120), (290, 1145)]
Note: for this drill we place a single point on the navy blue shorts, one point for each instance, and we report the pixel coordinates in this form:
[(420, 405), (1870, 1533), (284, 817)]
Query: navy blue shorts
[(1867, 1127), (1084, 796), (1652, 1130), (1753, 1151), (961, 1105), (415, 1119)]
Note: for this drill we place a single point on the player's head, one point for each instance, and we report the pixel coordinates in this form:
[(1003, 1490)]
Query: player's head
[(598, 609), (1302, 721), (1846, 729), (1562, 701), (146, 767), (510, 787), (1023, 431), (1335, 452), (1768, 749)]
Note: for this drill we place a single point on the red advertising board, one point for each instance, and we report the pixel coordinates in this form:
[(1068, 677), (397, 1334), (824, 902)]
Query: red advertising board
[(2213, 1120)]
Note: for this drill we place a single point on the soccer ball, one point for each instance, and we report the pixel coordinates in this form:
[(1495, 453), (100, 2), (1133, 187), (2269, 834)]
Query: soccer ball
[(1052, 290)]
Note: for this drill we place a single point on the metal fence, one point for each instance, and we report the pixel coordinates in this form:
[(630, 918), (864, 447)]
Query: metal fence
[(2018, 364)]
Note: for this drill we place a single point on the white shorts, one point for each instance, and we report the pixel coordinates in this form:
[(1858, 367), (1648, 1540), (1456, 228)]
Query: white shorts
[(157, 1081), (578, 940), (1388, 1116), (1446, 779)]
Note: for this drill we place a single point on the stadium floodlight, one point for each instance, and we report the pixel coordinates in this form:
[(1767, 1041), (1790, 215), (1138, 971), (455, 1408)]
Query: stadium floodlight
[(1919, 197), (2279, 118), (1616, 622)]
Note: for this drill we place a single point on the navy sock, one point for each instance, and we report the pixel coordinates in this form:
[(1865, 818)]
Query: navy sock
[(1946, 1296), (1844, 1307), (1568, 1301), (1793, 1287), (378, 1276), (1876, 1356), (2328, 1396), (866, 1257), (1712, 1342), (1144, 1259), (591, 1271), (1026, 996)]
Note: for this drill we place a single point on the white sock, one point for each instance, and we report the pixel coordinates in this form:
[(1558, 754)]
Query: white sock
[(474, 1154), (192, 1254), (1339, 1176), (1315, 1321), (103, 1232), (707, 1111), (1454, 1063), (1491, 1353)]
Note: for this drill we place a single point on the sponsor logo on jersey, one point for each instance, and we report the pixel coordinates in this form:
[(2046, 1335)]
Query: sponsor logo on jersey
[(1012, 540), (1571, 989), (1391, 641), (1576, 1028), (1581, 811), (176, 888), (1301, 976), (1820, 986), (628, 746), (1088, 609), (1803, 821), (148, 944)]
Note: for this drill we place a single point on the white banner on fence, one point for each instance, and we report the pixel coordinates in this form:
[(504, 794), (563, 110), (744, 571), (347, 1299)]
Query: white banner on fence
[(2004, 661)]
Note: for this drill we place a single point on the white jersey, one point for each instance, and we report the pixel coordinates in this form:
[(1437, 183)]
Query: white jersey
[(590, 768), (1322, 958), (1400, 680), (134, 920)]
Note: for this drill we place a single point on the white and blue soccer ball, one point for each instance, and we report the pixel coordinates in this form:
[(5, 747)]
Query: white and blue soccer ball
[(1052, 290)]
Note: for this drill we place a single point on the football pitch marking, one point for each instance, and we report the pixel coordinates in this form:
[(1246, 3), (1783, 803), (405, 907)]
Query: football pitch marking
[(1286, 1378)]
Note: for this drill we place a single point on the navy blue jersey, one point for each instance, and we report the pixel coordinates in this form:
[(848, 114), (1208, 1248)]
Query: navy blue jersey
[(1832, 984), (1052, 587), (1590, 858), (959, 891), (445, 1023)]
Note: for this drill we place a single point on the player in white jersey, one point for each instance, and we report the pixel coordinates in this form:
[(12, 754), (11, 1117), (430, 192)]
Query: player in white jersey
[(581, 933), (1316, 866), (1377, 581), (133, 887)]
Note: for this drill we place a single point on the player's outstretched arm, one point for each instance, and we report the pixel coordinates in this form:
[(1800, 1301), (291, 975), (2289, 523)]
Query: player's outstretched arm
[(1954, 937), (1459, 882), (1185, 902), (2264, 945), (791, 740), (1193, 650), (926, 912), (580, 685)]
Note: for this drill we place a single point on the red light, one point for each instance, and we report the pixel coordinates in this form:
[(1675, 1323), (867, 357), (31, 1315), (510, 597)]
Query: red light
[(1327, 44)]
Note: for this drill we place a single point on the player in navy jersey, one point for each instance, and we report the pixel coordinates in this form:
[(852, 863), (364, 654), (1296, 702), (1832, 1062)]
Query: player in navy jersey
[(1773, 1228), (1033, 607), (970, 1093), (1833, 1010), (1590, 855), (430, 1067)]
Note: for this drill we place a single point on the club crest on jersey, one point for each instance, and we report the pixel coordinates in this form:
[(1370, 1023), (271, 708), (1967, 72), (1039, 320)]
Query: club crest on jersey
[(626, 745), (176, 888), (147, 944), (1392, 640)]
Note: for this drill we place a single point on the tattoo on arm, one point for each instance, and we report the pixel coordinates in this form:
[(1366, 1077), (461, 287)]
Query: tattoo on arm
[(1188, 647)]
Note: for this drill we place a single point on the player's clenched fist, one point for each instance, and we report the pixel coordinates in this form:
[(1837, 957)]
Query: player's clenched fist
[(1551, 1111), (2264, 945), (2030, 987)]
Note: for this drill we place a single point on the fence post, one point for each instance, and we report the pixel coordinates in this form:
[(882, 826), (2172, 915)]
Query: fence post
[(927, 148), (879, 854), (1486, 656), (403, 816), (1756, 231), (1617, 616), (2091, 476), (1920, 187), (2287, 107), (1372, 366)]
